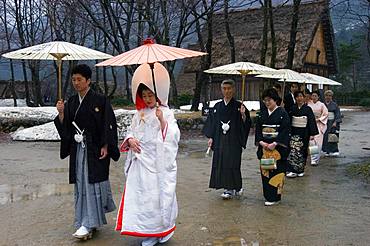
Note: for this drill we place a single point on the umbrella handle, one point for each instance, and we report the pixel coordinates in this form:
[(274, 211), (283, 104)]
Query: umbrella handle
[(243, 87), (153, 79), (59, 79)]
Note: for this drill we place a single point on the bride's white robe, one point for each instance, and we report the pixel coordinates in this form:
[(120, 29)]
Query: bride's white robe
[(148, 206)]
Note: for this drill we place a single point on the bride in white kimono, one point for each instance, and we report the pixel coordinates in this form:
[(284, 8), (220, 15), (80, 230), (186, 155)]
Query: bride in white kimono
[(149, 207)]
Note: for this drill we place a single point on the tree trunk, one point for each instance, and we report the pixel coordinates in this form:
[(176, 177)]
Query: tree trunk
[(230, 37), (110, 95), (265, 33), (293, 34), (128, 91), (8, 38), (35, 68), (26, 85), (273, 39), (205, 60)]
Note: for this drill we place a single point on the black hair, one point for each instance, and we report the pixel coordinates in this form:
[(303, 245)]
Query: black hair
[(82, 69), (294, 83), (297, 93), (228, 82), (277, 86), (316, 92), (271, 93), (142, 88)]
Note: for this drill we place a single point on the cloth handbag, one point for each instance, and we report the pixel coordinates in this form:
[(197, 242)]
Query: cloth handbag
[(268, 164), (333, 138), (313, 148)]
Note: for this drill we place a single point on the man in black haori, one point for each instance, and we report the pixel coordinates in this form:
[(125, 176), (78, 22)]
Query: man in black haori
[(227, 128), (87, 127)]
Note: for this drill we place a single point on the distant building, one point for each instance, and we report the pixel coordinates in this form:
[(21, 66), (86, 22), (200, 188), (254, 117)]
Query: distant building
[(314, 51)]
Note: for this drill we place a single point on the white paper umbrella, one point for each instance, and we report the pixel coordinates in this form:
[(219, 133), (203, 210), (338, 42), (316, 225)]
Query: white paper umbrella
[(241, 68), (316, 79), (284, 75), (143, 75), (58, 51)]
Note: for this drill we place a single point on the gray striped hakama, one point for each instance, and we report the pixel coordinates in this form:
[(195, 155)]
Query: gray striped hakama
[(92, 201)]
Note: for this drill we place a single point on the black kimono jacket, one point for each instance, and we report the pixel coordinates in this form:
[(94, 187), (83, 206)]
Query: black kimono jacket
[(96, 117), (288, 102), (239, 130)]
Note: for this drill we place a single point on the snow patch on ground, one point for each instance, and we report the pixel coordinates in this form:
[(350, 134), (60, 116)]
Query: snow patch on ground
[(251, 105), (10, 103)]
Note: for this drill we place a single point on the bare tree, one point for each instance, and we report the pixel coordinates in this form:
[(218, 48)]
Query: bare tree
[(272, 32), (293, 33), (230, 37), (206, 46), (8, 35)]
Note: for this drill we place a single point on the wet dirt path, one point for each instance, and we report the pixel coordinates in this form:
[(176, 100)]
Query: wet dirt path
[(326, 207)]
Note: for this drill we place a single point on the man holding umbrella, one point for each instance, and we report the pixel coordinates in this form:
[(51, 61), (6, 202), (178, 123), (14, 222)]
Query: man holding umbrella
[(87, 127), (227, 128)]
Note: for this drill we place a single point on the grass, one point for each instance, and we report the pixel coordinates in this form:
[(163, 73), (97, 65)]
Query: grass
[(360, 170)]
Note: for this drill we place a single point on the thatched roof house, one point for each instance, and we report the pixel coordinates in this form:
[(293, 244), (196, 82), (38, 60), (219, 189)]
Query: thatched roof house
[(314, 51)]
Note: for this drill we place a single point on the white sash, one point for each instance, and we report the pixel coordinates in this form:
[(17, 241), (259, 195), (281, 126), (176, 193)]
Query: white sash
[(331, 116), (300, 121)]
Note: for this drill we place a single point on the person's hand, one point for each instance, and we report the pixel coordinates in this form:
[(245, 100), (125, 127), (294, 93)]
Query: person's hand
[(60, 108), (134, 144), (242, 109), (271, 146), (210, 141), (263, 144), (242, 112), (159, 114), (334, 124), (103, 152)]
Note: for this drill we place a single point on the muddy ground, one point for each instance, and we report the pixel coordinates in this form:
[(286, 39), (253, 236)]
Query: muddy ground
[(326, 207)]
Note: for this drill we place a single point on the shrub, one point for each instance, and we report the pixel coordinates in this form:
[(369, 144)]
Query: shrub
[(121, 101), (184, 99), (365, 102)]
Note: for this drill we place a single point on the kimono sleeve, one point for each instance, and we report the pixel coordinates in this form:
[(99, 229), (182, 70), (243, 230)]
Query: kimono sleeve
[(338, 116), (171, 133), (245, 128), (283, 137), (258, 130), (324, 114), (129, 134), (170, 137), (209, 126), (109, 131), (65, 132), (311, 123)]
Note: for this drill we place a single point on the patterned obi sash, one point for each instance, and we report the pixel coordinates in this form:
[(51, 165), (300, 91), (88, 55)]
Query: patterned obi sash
[(331, 116), (299, 121), (270, 131)]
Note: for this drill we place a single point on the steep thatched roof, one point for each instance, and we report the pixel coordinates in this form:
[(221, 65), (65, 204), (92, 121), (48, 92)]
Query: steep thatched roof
[(247, 28)]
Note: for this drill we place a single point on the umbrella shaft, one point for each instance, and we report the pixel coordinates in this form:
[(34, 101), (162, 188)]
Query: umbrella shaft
[(59, 79), (155, 88)]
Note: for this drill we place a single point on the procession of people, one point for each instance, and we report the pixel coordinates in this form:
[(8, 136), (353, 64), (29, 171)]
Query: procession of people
[(288, 134)]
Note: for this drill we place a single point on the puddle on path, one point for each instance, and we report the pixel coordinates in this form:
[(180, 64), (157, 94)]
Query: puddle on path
[(15, 193), (55, 170), (233, 241)]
